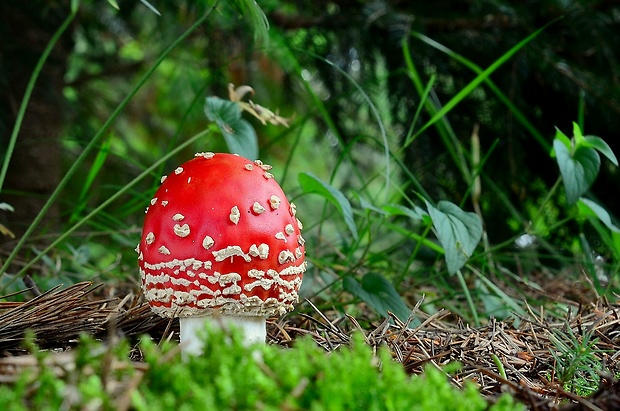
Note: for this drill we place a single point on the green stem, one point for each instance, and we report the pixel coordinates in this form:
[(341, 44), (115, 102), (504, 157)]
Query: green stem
[(470, 301), (499, 365)]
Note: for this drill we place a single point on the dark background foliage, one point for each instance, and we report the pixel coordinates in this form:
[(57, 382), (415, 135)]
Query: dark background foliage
[(574, 61), (572, 64)]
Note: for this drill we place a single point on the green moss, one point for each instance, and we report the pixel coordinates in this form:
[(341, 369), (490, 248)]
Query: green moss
[(231, 376)]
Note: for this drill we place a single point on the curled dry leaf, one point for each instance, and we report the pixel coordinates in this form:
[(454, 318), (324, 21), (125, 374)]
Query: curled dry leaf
[(263, 114)]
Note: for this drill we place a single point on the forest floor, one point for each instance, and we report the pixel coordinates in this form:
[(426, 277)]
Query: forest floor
[(515, 356)]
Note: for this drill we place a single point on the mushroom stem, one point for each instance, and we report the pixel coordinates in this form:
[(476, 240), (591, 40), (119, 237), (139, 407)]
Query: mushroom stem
[(254, 330)]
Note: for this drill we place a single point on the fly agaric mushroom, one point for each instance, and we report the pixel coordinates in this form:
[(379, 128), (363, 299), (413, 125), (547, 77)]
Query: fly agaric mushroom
[(220, 238)]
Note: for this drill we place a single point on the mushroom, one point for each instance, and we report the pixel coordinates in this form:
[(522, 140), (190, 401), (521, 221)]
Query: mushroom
[(221, 239)]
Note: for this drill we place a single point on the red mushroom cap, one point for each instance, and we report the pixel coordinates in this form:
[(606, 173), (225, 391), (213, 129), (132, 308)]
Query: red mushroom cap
[(221, 236)]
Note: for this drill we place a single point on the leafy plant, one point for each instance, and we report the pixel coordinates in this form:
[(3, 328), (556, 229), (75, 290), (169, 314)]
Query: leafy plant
[(579, 161), (238, 133), (575, 358), (459, 232)]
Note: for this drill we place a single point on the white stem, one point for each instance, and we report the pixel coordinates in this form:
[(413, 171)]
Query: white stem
[(254, 330)]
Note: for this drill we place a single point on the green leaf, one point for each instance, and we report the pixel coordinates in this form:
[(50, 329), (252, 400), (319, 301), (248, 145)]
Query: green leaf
[(243, 140), (396, 209), (94, 171), (258, 19), (512, 108), (459, 232), (376, 291), (151, 7), (239, 135), (577, 135), (600, 145), (590, 208), (481, 77), (221, 111), (312, 184), (615, 238), (367, 205), (114, 4), (578, 170), (563, 139)]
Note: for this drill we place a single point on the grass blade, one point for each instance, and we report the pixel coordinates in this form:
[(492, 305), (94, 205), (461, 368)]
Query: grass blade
[(103, 205), (492, 86), (96, 167), (480, 78)]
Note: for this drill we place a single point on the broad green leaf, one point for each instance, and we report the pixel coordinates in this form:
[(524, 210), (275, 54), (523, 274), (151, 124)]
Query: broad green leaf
[(600, 145), (243, 140), (563, 139), (222, 111), (312, 184), (458, 231), (590, 208), (376, 291), (239, 135), (578, 170)]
